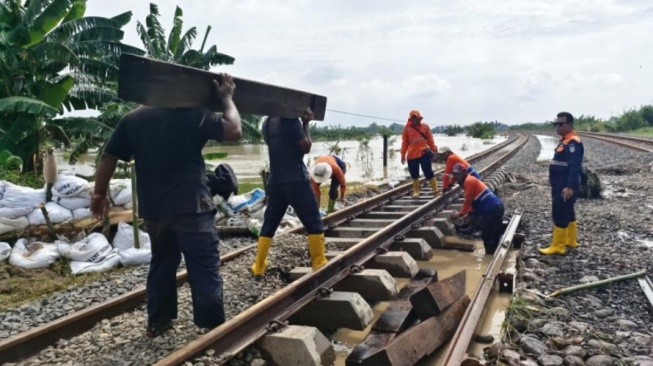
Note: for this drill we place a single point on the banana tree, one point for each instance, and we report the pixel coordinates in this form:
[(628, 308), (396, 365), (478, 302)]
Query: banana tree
[(53, 57)]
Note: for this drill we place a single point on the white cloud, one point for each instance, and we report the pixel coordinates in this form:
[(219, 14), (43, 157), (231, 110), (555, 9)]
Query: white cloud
[(457, 61)]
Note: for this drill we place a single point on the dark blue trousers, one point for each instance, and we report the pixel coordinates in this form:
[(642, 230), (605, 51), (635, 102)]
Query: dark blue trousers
[(333, 189), (473, 172), (195, 236), (491, 223), (425, 163), (300, 196), (562, 211)]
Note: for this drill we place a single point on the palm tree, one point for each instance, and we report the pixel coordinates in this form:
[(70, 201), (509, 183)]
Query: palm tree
[(53, 57)]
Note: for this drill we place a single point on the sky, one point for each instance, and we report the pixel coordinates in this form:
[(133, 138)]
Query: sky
[(458, 62)]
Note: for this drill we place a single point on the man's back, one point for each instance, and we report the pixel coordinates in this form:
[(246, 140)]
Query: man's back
[(286, 158), (167, 147)]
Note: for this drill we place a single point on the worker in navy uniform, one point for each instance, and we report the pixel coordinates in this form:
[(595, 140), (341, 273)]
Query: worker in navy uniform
[(288, 141), (564, 177)]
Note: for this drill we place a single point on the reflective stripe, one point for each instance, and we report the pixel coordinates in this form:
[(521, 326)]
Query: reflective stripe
[(559, 163)]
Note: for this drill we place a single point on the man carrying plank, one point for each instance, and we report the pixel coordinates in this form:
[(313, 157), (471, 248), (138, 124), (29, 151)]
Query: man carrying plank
[(174, 200), (288, 140)]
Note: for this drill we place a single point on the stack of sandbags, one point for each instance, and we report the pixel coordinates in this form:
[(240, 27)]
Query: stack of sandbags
[(33, 255), (91, 254)]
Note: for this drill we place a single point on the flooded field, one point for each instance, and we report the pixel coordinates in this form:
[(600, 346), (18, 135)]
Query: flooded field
[(364, 160)]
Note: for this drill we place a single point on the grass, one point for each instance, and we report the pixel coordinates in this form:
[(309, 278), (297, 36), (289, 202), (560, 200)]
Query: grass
[(643, 132), (19, 285)]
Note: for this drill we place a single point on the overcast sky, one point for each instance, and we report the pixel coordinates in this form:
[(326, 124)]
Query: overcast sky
[(456, 61)]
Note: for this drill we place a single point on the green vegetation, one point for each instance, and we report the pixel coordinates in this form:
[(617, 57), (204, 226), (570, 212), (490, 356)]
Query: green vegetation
[(481, 130), (453, 130), (339, 133)]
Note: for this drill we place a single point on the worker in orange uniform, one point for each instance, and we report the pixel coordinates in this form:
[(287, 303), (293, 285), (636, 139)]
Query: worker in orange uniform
[(418, 148), (329, 167), (481, 205), (450, 159)]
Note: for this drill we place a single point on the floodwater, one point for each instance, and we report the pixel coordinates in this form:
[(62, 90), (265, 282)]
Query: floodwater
[(365, 161), (548, 145), (447, 263)]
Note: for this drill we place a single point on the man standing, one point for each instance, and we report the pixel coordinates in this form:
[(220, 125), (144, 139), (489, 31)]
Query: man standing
[(452, 159), (329, 167), (418, 148), (288, 140), (564, 177), (174, 200), (483, 206)]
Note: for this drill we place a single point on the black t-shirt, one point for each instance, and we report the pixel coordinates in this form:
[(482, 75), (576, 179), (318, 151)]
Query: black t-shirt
[(167, 147), (282, 135)]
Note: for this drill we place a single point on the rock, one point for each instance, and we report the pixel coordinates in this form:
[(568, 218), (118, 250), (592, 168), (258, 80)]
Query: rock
[(532, 263), (258, 362), (532, 345), (604, 313), (510, 356), (582, 327), (593, 301), (642, 339), (550, 360), (600, 360), (626, 324), (518, 324), (573, 361), (558, 311), (528, 362), (495, 349), (552, 330), (574, 351), (588, 279), (484, 338), (530, 277)]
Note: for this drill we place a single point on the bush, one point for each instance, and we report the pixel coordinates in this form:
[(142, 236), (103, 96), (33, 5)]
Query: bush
[(481, 130)]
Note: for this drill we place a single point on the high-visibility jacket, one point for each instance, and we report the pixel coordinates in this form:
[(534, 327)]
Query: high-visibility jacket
[(447, 177), (337, 174), (413, 143), (478, 198), (565, 167)]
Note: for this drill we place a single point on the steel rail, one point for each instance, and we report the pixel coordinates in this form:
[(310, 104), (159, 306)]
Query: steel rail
[(614, 140), (623, 137), (244, 329), (29, 343), (647, 286), (460, 342)]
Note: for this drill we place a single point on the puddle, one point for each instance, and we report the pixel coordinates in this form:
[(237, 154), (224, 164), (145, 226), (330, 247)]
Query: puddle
[(548, 145)]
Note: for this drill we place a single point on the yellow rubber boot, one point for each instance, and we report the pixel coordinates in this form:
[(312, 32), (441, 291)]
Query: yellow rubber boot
[(557, 242), (572, 235), (331, 207), (316, 250), (258, 268), (415, 188), (434, 186)]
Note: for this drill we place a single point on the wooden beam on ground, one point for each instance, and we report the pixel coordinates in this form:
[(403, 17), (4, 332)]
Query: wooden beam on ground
[(436, 297), (162, 84)]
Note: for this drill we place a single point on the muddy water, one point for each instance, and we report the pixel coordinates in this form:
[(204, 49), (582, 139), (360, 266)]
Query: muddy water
[(365, 162), (548, 145), (447, 263)]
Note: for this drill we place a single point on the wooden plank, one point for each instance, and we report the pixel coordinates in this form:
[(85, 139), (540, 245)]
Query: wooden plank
[(162, 84), (420, 340), (396, 318), (438, 296)]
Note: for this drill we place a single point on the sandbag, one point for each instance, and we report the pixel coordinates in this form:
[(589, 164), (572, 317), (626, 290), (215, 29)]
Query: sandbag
[(56, 213), (73, 203), (135, 257), (8, 225), (120, 191), (34, 255), (92, 249), (5, 251), (69, 186), (124, 238), (108, 262), (17, 196), (237, 221), (82, 213), (15, 212)]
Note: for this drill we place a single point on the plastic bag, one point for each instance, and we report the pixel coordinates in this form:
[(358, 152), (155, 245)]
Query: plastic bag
[(56, 213), (35, 255), (244, 201), (5, 251), (124, 238)]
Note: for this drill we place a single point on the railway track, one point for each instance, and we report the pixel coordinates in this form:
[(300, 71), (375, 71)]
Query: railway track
[(635, 143), (387, 218)]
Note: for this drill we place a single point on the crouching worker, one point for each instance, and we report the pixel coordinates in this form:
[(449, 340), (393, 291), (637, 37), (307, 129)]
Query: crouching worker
[(484, 206), (329, 167), (451, 159), (288, 140)]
